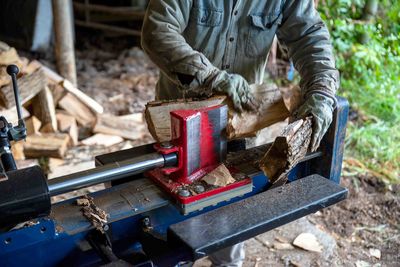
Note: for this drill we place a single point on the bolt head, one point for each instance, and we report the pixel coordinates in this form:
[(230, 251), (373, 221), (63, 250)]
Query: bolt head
[(166, 145), (199, 189), (184, 192)]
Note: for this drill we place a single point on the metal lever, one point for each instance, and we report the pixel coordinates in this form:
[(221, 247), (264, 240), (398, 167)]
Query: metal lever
[(13, 70), (18, 132)]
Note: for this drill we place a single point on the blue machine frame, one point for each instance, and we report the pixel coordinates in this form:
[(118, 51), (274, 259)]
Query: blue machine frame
[(61, 239)]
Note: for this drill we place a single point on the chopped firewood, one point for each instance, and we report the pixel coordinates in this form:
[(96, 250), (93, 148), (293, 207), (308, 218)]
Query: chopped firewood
[(9, 56), (57, 91), (287, 150), (32, 125), (54, 163), (43, 108), (128, 128), (17, 149), (78, 110), (67, 124), (29, 86), (271, 109), (46, 145), (32, 67), (102, 140), (96, 216), (220, 176), (158, 118), (69, 87), (4, 77), (11, 114)]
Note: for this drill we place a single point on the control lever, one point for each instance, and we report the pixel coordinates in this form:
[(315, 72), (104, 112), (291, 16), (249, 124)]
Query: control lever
[(8, 132), (18, 132)]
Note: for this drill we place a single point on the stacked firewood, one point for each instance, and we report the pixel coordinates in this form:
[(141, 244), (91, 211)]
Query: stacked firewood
[(57, 114)]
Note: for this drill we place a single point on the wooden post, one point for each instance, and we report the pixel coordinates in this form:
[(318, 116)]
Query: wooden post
[(64, 39)]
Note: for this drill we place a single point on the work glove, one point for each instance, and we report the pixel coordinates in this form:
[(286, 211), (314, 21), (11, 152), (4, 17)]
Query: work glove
[(320, 107), (237, 89)]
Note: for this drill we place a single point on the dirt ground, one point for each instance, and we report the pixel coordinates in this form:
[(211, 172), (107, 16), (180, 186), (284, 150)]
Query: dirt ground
[(122, 79)]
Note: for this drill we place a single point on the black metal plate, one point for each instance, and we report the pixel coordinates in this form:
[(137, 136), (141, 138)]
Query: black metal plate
[(226, 226)]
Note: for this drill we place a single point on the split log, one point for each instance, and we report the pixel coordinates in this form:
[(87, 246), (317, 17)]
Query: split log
[(46, 145), (9, 56), (31, 67), (43, 108), (57, 91), (29, 86), (78, 110), (17, 149), (11, 114), (271, 110), (5, 79), (33, 125), (67, 124), (69, 87), (287, 150), (158, 117), (105, 140), (128, 128)]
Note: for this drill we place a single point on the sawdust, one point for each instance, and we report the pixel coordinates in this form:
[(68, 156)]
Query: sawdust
[(96, 216)]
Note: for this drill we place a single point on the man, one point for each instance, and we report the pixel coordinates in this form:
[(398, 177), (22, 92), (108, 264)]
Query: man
[(221, 46)]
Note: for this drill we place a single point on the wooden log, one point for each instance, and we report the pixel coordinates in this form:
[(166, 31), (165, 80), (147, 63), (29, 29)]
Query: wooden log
[(46, 145), (9, 56), (57, 91), (271, 110), (11, 114), (67, 124), (29, 86), (287, 150), (158, 117), (33, 125), (128, 128), (17, 149), (78, 110), (105, 140), (43, 108), (69, 87), (64, 39)]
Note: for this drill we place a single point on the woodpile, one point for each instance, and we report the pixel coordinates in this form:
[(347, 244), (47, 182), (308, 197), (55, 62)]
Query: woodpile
[(56, 112)]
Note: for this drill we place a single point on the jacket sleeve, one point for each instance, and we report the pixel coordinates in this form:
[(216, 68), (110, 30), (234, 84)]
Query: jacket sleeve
[(162, 40), (308, 43)]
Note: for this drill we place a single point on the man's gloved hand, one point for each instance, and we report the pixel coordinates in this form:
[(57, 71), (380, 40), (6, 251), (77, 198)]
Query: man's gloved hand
[(321, 108), (237, 88)]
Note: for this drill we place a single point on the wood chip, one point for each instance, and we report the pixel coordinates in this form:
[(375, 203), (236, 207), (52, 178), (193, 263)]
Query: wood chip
[(219, 177), (376, 253), (308, 241), (96, 216)]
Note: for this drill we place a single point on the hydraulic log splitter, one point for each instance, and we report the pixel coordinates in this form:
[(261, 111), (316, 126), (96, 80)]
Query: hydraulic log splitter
[(159, 211)]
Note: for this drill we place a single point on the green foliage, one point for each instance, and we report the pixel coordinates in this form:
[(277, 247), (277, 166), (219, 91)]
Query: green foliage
[(368, 57)]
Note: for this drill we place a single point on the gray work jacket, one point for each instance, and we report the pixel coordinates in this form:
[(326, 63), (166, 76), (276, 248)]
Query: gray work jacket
[(193, 37)]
